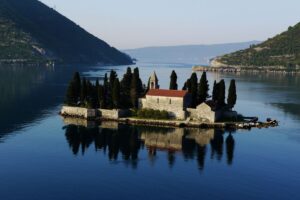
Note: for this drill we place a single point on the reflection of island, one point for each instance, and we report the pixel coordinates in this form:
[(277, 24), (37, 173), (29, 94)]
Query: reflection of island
[(124, 141)]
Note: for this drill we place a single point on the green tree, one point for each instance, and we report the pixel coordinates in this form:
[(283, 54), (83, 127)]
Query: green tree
[(203, 89), (221, 93), (77, 85), (70, 95), (101, 97), (194, 89), (231, 99), (125, 88), (113, 75), (173, 81), (116, 93), (83, 92), (215, 92)]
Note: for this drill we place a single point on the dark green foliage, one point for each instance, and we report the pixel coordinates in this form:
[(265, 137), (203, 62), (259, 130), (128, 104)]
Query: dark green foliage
[(194, 89), (136, 90), (281, 50), (28, 23), (116, 94), (101, 97), (70, 96), (112, 77), (231, 99), (83, 92), (125, 88), (221, 93), (173, 81), (215, 92), (187, 85), (203, 89), (152, 114)]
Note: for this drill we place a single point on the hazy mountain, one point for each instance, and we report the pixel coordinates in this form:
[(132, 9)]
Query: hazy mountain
[(31, 32), (186, 54), (281, 51)]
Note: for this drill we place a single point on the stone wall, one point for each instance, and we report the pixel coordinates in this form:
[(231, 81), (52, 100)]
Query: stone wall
[(173, 105), (112, 114), (202, 113), (78, 112)]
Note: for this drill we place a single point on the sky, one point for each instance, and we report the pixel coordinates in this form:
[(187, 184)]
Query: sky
[(127, 24)]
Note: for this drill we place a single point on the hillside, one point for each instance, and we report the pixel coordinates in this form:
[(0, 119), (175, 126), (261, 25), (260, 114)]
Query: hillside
[(31, 32), (281, 52), (185, 54)]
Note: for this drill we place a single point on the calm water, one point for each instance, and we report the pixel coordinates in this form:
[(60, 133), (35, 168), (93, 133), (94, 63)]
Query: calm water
[(44, 157)]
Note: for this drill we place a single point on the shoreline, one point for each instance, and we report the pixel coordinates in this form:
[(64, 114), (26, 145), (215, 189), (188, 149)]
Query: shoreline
[(176, 123)]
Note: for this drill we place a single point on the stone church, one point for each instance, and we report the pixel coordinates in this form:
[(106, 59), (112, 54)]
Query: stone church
[(177, 104), (173, 101)]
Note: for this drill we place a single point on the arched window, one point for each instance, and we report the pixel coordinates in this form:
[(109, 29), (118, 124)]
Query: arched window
[(157, 100), (170, 101)]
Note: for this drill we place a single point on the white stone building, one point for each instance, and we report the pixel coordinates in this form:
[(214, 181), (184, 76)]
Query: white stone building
[(174, 102)]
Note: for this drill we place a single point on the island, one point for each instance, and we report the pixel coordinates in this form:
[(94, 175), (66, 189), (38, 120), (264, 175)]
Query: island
[(132, 102)]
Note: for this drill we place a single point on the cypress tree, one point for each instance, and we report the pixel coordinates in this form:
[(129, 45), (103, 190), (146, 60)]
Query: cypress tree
[(125, 88), (96, 89), (231, 99), (70, 95), (113, 75), (203, 88), (215, 92), (76, 85), (139, 84), (101, 97), (221, 93), (116, 93), (173, 81), (83, 92), (133, 92), (194, 89)]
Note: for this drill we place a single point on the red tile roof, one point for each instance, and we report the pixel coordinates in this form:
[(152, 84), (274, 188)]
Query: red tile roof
[(167, 93)]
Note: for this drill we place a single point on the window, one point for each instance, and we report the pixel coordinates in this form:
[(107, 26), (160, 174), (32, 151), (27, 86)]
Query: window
[(170, 102), (157, 100)]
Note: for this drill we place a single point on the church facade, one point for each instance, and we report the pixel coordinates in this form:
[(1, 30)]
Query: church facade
[(175, 102)]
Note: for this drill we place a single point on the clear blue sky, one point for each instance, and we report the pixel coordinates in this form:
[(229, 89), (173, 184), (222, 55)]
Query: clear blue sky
[(139, 23)]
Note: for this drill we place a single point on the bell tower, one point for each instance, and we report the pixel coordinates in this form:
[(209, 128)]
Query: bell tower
[(153, 81)]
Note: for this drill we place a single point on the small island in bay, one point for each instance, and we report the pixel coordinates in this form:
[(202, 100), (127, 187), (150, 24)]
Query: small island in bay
[(132, 102)]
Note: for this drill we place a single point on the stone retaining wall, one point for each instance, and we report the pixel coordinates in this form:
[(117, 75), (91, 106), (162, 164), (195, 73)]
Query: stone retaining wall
[(78, 112)]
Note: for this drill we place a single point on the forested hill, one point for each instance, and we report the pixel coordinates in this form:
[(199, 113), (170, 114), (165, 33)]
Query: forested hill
[(281, 51), (32, 32)]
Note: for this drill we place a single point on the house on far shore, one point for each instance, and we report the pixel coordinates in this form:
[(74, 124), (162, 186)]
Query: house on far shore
[(177, 103)]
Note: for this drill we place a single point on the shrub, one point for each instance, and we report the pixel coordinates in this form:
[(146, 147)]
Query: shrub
[(152, 114)]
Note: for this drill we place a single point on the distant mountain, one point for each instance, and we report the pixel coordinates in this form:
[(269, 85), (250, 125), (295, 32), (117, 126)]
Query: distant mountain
[(185, 54), (31, 32), (281, 52)]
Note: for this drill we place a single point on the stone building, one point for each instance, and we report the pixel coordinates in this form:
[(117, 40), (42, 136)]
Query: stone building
[(174, 102)]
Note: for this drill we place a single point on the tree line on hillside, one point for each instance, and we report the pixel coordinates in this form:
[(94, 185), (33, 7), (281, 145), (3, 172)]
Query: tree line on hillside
[(115, 94)]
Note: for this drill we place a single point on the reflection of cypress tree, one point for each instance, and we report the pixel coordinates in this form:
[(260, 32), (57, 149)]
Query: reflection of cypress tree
[(201, 156), (230, 148), (217, 145), (188, 148), (171, 158)]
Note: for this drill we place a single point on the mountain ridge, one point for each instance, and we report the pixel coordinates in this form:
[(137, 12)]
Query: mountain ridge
[(188, 54), (279, 52), (51, 36)]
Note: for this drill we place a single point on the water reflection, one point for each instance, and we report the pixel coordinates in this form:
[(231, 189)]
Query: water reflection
[(124, 143)]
